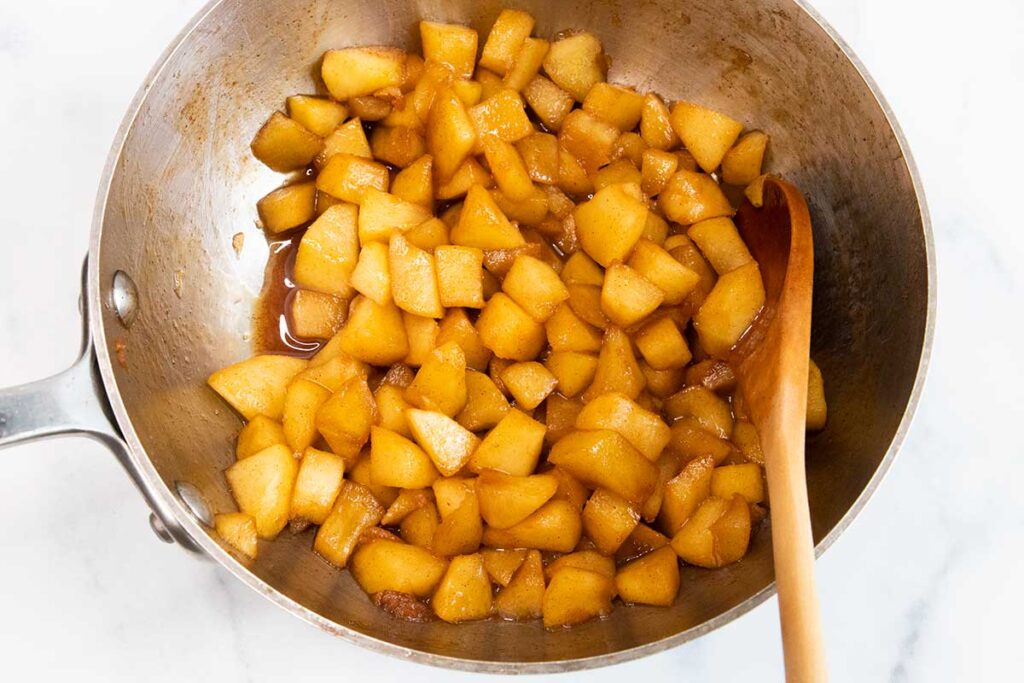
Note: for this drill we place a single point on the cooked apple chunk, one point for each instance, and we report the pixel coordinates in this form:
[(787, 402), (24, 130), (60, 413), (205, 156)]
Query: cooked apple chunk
[(603, 458), (555, 527), (742, 164), (650, 580), (817, 410), (259, 433), (262, 486), (328, 252), (512, 446), (574, 596), (730, 309), (509, 331), (318, 115), (448, 443), (356, 71), (510, 30), (239, 531), (576, 63), (317, 485), (383, 565), (257, 386), (287, 207), (645, 430), (522, 598), (464, 593), (506, 500), (690, 197), (610, 224), (285, 145)]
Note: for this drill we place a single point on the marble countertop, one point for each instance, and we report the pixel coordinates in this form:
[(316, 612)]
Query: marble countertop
[(921, 588)]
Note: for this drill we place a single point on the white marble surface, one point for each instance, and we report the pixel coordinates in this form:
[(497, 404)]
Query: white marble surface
[(923, 587)]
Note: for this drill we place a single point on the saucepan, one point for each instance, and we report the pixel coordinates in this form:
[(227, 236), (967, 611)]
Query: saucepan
[(176, 261)]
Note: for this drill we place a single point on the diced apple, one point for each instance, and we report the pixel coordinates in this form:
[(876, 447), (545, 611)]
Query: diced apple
[(555, 527), (262, 487), (690, 197), (448, 443), (721, 244), (574, 596), (685, 492), (700, 403), (415, 182), (317, 485), (464, 593), (450, 44), (741, 165), (663, 345), (383, 565), (707, 134), (509, 331), (356, 71), (610, 224), (238, 530), (527, 63), (413, 279), (374, 333), (617, 368), (608, 520), (456, 327), (483, 225), (329, 251), (576, 63), (549, 102), (259, 433), (656, 125), (440, 383), (381, 215), (257, 385), (644, 429), (397, 461), (510, 30), (627, 297), (451, 135), (650, 580), (349, 177), (730, 309), (588, 138), (617, 105), (603, 458), (573, 370), (522, 598), (505, 500), (501, 565), (513, 446), (348, 138), (284, 144)]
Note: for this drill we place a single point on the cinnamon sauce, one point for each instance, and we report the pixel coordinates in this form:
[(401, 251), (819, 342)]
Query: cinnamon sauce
[(271, 323)]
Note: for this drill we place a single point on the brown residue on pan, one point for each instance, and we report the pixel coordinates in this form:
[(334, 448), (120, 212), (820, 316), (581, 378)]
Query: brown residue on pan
[(237, 243), (403, 605), (121, 352)]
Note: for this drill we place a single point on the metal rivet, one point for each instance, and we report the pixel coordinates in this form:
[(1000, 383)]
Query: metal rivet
[(125, 297), (194, 501), (159, 529)]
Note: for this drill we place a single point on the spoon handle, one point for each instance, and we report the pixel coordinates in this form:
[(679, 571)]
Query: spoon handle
[(792, 542)]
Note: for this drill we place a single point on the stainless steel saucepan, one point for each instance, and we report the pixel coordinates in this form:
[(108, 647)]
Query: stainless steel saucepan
[(167, 299)]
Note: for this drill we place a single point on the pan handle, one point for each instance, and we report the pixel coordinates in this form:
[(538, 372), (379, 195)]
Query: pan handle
[(74, 403)]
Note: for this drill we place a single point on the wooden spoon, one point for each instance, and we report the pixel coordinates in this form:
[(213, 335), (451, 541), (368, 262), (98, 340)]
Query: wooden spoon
[(771, 363)]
